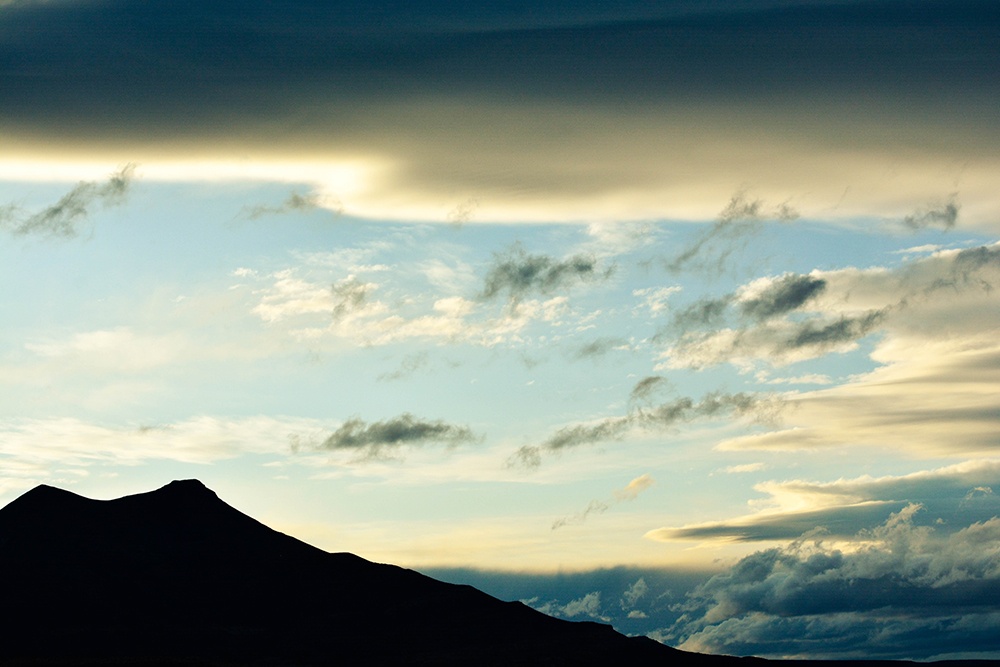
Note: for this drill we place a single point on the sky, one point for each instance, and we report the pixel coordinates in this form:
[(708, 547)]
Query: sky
[(678, 316)]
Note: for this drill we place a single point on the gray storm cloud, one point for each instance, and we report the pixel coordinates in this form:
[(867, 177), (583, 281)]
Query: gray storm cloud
[(380, 440), (63, 218), (516, 274)]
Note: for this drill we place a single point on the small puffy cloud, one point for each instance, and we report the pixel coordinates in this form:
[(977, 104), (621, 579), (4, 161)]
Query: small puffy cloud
[(589, 605), (634, 593), (599, 347), (517, 274), (942, 214), (63, 218), (779, 296), (656, 299), (382, 439)]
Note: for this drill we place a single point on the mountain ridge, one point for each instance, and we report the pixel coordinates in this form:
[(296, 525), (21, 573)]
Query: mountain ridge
[(178, 574)]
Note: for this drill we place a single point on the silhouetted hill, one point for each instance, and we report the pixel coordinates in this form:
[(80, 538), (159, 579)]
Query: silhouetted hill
[(177, 574)]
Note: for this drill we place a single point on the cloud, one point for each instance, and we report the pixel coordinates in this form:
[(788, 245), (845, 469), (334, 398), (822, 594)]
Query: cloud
[(742, 217), (517, 274), (798, 317), (600, 347), (350, 296), (942, 214), (410, 364), (656, 298), (629, 493), (757, 407), (780, 296), (928, 399), (951, 497), (903, 590), (63, 218), (38, 450), (634, 593), (380, 440), (295, 202), (645, 388)]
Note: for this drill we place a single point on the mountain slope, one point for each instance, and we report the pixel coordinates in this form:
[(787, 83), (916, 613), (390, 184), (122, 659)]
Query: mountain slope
[(177, 574)]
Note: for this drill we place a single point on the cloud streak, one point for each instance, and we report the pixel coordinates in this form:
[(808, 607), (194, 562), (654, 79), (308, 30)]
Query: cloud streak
[(382, 440), (650, 418), (62, 219), (742, 217), (296, 202), (628, 493), (517, 274)]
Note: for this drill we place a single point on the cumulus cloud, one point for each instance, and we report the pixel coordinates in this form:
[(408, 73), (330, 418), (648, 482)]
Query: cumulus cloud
[(63, 218), (630, 492), (742, 217), (517, 274), (904, 589), (383, 439), (658, 417)]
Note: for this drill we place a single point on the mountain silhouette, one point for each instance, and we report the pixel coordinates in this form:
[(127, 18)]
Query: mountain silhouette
[(177, 576)]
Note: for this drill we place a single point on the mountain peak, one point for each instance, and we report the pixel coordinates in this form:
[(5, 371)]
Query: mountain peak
[(193, 487)]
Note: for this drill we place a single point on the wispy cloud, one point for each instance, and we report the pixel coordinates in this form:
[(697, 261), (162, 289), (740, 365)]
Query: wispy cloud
[(517, 274), (628, 493), (757, 407), (63, 219), (295, 202), (384, 439), (742, 217), (410, 364)]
